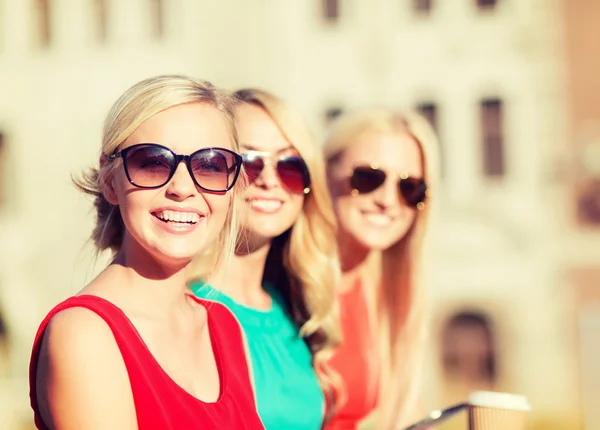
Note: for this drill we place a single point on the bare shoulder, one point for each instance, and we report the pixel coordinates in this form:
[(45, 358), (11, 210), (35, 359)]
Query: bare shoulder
[(77, 331), (81, 378)]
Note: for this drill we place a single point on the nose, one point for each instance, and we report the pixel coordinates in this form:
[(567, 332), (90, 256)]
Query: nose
[(181, 186), (268, 177), (387, 195)]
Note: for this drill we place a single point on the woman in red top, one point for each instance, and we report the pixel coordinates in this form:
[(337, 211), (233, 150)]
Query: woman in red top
[(134, 350), (380, 168)]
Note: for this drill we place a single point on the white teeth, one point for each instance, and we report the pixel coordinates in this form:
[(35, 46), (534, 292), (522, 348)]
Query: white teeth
[(266, 205), (379, 219), (174, 216)]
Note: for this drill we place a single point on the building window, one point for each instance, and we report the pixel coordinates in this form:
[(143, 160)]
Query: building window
[(157, 18), (492, 139), (331, 10), (332, 113), (588, 203), (422, 7), (430, 111), (101, 20), (43, 16), (486, 4), (4, 353), (468, 349)]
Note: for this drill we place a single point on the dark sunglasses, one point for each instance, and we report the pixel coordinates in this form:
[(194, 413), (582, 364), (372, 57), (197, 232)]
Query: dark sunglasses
[(365, 179), (149, 165), (291, 169)]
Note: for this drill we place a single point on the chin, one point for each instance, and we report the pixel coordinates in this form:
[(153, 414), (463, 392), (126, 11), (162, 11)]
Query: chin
[(175, 258), (375, 245), (270, 232), (374, 242), (175, 255)]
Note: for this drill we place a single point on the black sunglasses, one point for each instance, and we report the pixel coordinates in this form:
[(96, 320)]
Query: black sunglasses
[(291, 169), (365, 179), (149, 165)]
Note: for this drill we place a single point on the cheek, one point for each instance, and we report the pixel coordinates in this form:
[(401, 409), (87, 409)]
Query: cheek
[(402, 228), (248, 190), (347, 205), (218, 206), (134, 208), (296, 204), (347, 211), (132, 202)]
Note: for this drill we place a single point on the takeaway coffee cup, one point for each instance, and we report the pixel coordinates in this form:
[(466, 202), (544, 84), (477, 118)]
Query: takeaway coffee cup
[(497, 411)]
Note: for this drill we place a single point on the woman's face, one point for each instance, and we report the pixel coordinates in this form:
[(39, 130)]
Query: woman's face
[(271, 205), (379, 218), (176, 221)]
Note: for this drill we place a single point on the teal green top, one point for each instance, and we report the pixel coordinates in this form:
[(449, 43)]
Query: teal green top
[(288, 394)]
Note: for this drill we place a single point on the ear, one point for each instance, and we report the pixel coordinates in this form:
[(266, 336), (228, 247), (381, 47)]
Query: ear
[(106, 183)]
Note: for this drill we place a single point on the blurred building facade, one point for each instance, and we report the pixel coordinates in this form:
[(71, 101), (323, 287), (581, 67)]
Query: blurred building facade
[(501, 82), (581, 234)]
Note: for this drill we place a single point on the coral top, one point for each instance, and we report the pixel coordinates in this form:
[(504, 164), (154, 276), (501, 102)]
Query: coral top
[(159, 402), (354, 361)]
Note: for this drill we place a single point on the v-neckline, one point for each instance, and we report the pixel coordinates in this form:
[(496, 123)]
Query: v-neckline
[(214, 340)]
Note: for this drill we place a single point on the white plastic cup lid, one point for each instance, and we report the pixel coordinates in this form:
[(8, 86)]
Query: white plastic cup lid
[(492, 399)]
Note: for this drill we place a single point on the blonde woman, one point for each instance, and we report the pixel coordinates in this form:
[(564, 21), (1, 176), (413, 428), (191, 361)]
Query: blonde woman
[(381, 168), (134, 350), (280, 282)]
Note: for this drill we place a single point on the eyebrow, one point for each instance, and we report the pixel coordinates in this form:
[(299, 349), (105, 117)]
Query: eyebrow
[(250, 147)]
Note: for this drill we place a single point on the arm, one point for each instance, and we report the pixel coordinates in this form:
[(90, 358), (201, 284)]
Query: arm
[(81, 378)]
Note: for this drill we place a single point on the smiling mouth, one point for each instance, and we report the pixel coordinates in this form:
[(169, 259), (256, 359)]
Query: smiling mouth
[(378, 219), (173, 217), (266, 205)]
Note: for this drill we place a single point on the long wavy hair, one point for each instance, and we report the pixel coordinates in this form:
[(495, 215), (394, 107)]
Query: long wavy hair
[(303, 261), (396, 273), (139, 103)]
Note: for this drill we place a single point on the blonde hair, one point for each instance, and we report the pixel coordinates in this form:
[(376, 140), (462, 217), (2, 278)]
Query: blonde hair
[(303, 261), (139, 103), (401, 302)]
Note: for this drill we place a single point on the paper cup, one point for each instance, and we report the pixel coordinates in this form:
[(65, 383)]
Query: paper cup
[(497, 411)]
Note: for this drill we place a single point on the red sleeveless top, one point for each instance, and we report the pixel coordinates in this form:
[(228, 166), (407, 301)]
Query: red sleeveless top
[(159, 402), (353, 361)]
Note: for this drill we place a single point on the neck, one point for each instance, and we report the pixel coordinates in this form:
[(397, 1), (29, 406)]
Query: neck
[(353, 258), (243, 278), (160, 285)]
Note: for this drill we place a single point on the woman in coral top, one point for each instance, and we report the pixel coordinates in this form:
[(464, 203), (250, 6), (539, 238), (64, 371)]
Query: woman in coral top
[(134, 349), (381, 167)]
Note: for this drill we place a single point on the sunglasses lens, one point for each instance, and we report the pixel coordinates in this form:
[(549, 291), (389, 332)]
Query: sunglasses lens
[(253, 165), (215, 169), (413, 191), (149, 165), (366, 179), (293, 173)]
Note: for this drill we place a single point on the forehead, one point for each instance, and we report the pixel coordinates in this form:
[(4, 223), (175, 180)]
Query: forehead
[(257, 130), (185, 129), (397, 152)]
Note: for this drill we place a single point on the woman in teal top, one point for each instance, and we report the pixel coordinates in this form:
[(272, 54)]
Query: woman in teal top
[(280, 282), (287, 390)]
